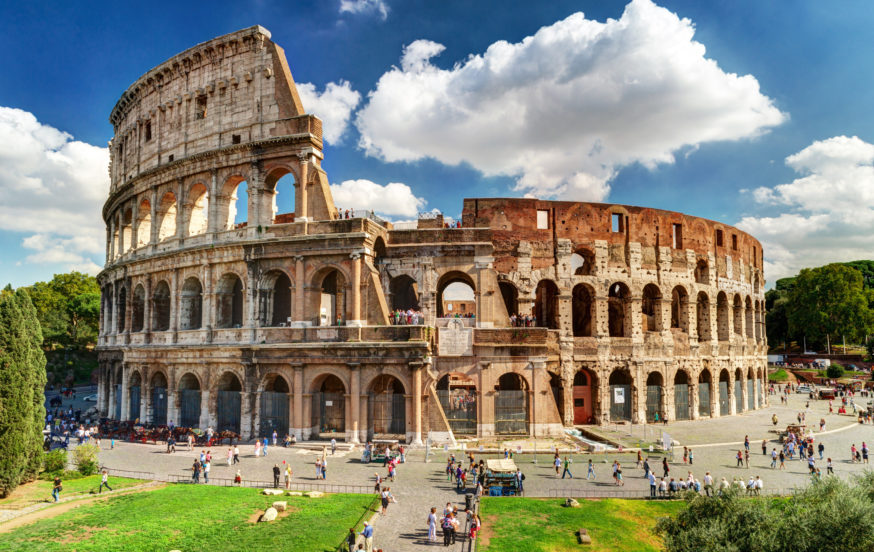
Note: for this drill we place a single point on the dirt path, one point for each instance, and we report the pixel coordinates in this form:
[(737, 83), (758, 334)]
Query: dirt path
[(50, 509)]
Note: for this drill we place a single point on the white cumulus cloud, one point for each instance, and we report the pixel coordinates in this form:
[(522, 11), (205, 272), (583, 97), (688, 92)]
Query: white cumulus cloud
[(333, 106), (378, 7), (825, 215), (564, 109), (52, 189), (392, 199)]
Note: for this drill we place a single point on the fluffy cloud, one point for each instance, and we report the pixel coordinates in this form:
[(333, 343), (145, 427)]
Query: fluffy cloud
[(564, 109), (365, 6), (52, 188), (333, 106), (393, 199), (825, 215)]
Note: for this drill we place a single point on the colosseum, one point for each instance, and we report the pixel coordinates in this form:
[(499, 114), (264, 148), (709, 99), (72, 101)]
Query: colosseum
[(529, 316)]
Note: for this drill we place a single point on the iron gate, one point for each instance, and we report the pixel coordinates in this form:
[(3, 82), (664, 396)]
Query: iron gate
[(738, 397), (511, 412), (134, 398), (653, 402), (329, 412), (274, 413), (159, 406), (704, 399), (228, 406), (751, 394), (459, 407), (118, 401), (620, 402), (723, 399), (387, 413), (681, 401), (189, 411)]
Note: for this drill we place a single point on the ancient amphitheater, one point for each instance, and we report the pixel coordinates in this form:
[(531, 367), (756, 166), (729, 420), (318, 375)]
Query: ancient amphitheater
[(285, 321)]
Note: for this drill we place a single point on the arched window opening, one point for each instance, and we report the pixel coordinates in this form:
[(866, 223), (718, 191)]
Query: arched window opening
[(198, 210), (404, 293), (229, 302), (583, 263), (332, 308), (458, 397), (122, 308), (191, 305), (144, 223), (456, 297), (722, 315), (161, 307), (655, 409), (510, 295), (167, 216), (511, 405), (680, 309), (139, 309), (702, 273), (617, 303), (546, 305), (582, 304), (650, 308)]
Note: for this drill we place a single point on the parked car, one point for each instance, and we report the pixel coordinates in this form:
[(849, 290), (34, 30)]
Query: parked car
[(90, 398)]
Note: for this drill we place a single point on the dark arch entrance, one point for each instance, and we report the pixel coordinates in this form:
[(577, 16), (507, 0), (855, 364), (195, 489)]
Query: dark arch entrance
[(655, 408), (274, 406), (511, 405), (682, 410), (457, 395), (189, 401), (704, 384), (229, 403), (329, 408), (159, 399), (584, 390), (386, 408), (620, 395)]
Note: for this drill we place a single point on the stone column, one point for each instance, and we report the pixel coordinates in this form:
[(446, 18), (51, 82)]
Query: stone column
[(297, 388), (417, 405), (355, 393), (299, 292), (355, 317), (125, 392), (300, 196)]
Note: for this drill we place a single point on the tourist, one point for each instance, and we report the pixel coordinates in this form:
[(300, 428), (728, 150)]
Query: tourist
[(57, 488), (104, 482), (432, 525), (367, 533), (567, 468), (276, 473)]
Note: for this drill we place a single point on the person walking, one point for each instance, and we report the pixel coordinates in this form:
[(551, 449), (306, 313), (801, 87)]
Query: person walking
[(57, 488), (432, 525), (104, 482), (567, 468), (367, 533), (276, 473)]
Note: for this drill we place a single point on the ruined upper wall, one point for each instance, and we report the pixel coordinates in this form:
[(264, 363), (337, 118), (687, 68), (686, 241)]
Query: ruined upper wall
[(233, 89)]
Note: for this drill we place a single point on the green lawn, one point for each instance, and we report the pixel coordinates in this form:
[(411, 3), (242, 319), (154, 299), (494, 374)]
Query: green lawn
[(41, 491), (545, 525), (189, 517)]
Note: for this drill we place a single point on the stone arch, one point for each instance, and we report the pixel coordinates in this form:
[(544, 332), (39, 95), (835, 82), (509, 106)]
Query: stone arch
[(386, 406), (722, 316), (510, 295), (404, 293), (650, 308), (621, 396), (511, 404), (680, 308), (583, 309), (191, 304), (161, 307), (138, 304), (229, 301), (655, 396), (166, 215), (702, 272), (546, 304), (188, 398), (618, 305), (228, 401), (465, 306), (197, 210), (583, 262), (144, 223), (275, 298)]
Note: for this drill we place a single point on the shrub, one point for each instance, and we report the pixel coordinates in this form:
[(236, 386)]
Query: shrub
[(835, 371), (85, 458), (55, 461)]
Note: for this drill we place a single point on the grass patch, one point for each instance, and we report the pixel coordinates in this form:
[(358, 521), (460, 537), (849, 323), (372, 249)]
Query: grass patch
[(191, 517), (614, 525), (41, 491)]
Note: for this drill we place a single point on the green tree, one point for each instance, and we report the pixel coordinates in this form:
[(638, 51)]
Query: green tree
[(22, 381), (829, 301)]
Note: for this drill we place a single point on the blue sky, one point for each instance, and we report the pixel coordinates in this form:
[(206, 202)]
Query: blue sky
[(787, 155)]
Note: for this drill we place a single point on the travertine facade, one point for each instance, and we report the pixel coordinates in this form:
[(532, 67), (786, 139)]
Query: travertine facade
[(283, 322)]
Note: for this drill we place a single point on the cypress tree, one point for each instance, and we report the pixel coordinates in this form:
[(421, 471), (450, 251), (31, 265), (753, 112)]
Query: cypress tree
[(22, 383)]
